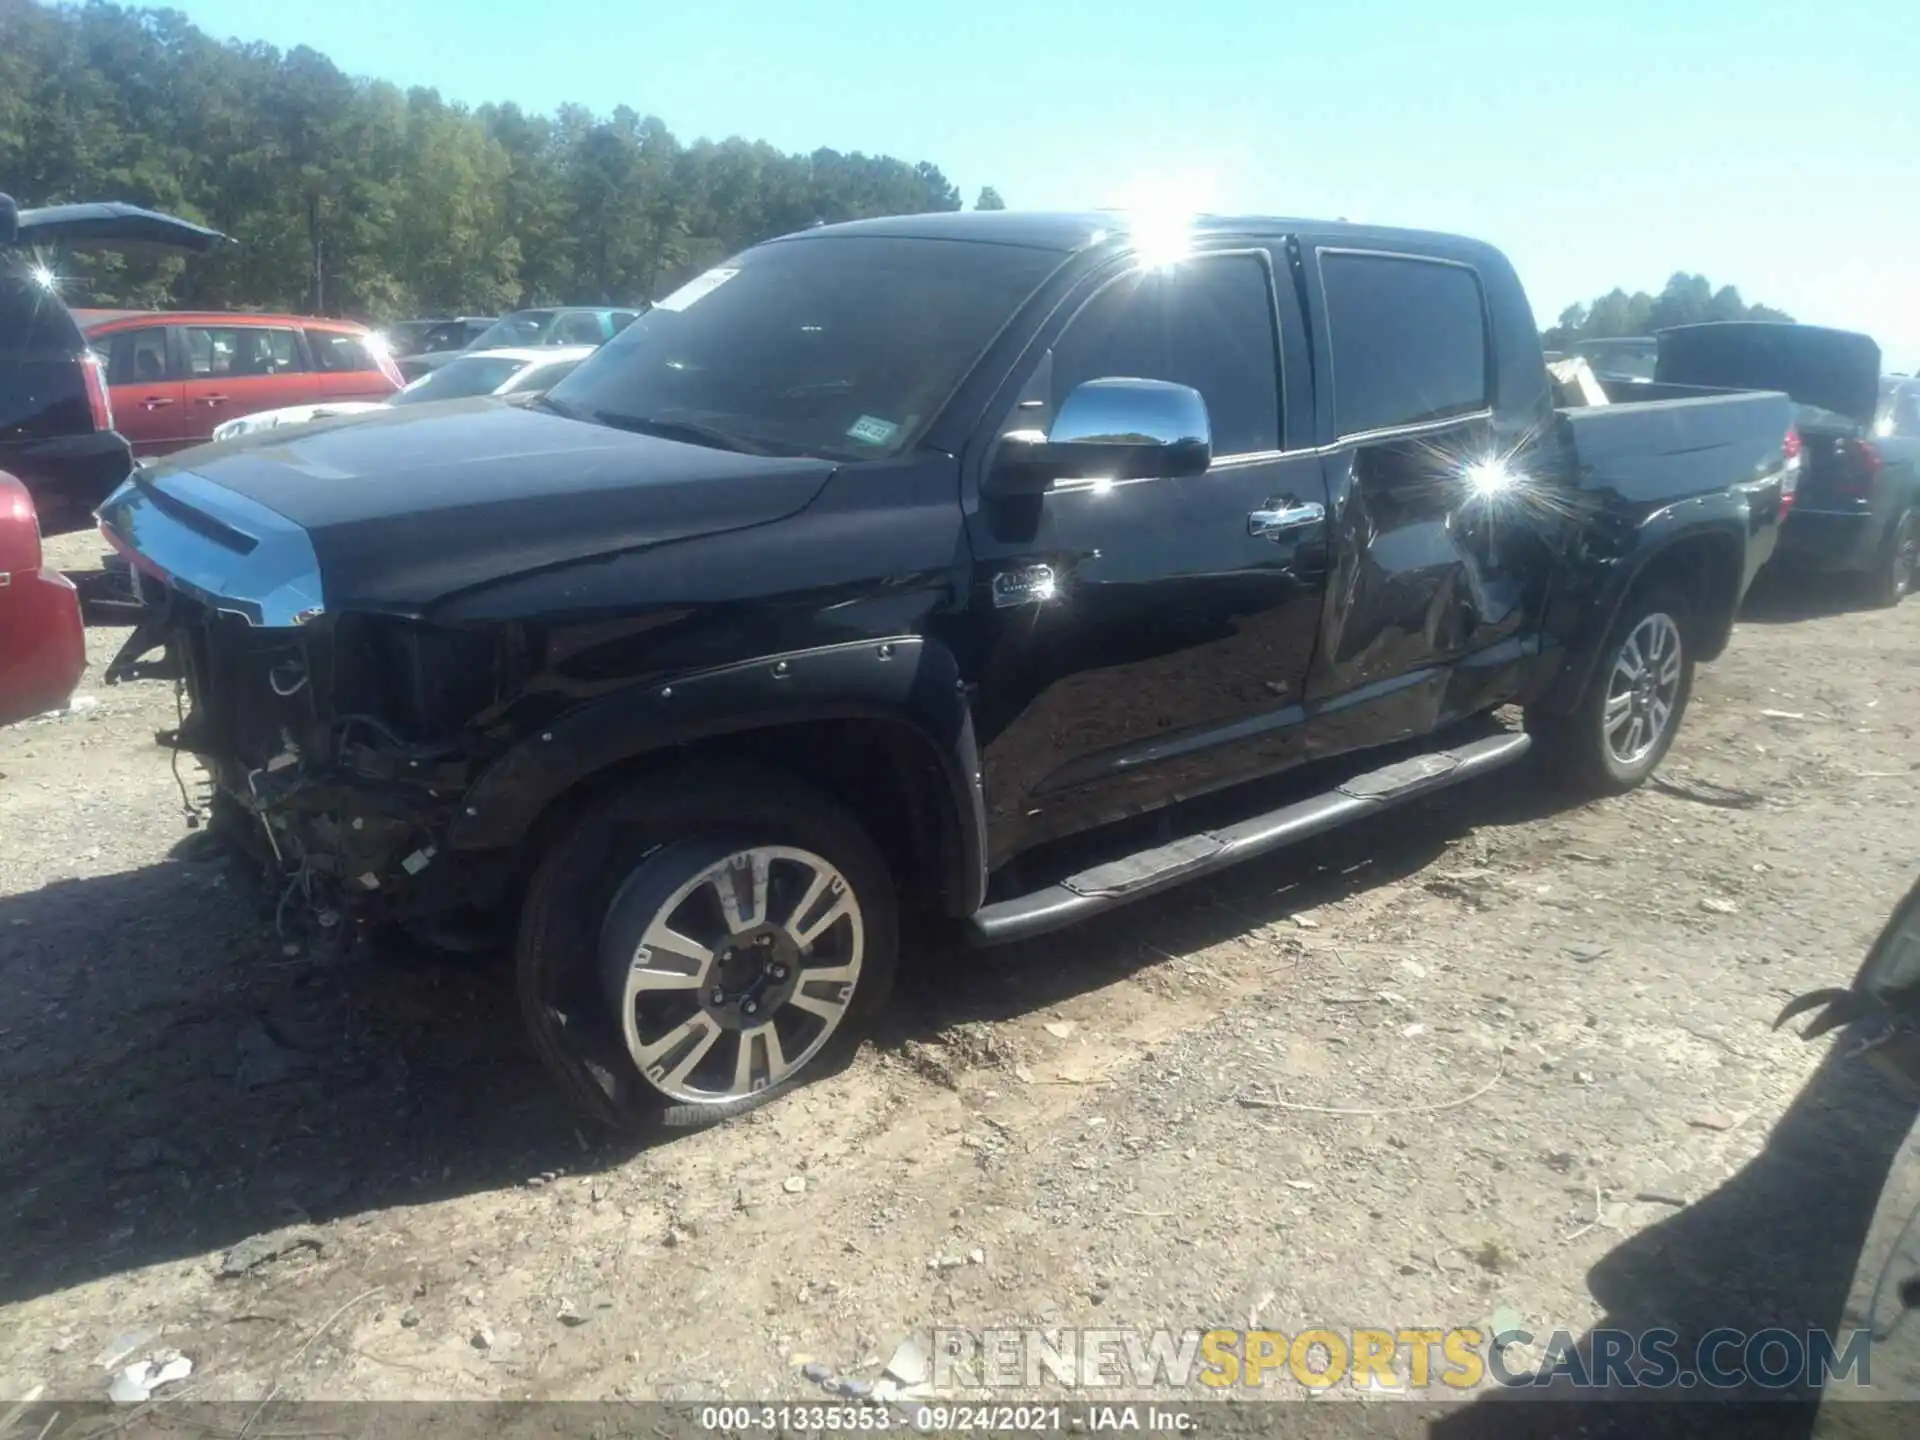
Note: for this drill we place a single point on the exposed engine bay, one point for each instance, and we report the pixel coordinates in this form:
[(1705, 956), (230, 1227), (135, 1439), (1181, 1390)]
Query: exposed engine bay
[(338, 753)]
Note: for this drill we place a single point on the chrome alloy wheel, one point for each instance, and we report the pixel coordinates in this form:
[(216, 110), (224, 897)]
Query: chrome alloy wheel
[(1643, 689), (741, 976)]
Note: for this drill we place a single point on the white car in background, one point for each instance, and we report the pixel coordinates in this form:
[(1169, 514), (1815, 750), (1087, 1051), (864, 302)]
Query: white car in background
[(528, 371)]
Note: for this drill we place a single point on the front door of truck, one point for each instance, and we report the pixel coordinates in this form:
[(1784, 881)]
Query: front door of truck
[(1437, 537), (1149, 639)]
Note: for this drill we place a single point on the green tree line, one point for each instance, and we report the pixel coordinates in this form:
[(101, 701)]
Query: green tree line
[(354, 197), (1685, 300)]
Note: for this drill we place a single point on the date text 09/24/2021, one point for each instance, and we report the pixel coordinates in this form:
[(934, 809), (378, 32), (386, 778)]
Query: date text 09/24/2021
[(943, 1418)]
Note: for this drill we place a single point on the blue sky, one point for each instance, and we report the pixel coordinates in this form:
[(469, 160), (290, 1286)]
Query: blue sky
[(1774, 146)]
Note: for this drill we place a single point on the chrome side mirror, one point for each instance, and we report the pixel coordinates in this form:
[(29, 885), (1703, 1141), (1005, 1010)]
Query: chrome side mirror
[(1112, 429)]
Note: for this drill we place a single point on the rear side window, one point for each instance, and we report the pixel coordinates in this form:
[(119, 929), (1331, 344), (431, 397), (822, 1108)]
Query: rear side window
[(43, 392), (333, 351), (1409, 340), (137, 357), (1208, 323), (215, 351)]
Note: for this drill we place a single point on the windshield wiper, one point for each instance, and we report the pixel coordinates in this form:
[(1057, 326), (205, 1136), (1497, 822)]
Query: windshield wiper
[(691, 431)]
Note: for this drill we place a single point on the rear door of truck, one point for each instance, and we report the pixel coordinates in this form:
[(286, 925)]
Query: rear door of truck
[(1425, 573)]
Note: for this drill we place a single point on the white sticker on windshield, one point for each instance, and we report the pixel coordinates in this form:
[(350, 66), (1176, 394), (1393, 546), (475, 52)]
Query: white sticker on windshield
[(871, 431), (697, 288)]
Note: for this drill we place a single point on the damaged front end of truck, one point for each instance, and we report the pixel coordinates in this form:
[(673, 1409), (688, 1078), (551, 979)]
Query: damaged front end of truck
[(338, 747)]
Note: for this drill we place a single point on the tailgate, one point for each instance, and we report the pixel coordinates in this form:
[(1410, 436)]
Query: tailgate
[(1660, 451)]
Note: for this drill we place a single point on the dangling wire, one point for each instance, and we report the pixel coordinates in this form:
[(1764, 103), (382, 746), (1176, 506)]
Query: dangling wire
[(180, 713)]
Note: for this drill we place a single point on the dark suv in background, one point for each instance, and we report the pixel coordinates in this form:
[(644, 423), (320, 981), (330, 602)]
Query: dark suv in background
[(57, 430)]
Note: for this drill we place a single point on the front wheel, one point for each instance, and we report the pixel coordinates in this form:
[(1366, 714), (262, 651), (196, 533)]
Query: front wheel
[(698, 945), (1893, 573), (1626, 721)]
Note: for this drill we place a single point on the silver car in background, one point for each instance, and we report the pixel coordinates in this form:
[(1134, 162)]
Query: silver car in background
[(527, 371)]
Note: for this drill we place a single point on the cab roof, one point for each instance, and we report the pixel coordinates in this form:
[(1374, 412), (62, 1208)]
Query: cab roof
[(1069, 231)]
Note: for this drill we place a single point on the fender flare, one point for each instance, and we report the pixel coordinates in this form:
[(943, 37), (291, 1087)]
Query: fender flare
[(904, 680), (1599, 595)]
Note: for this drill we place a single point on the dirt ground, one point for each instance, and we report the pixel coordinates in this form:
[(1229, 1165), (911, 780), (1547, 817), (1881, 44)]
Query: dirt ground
[(1491, 1057)]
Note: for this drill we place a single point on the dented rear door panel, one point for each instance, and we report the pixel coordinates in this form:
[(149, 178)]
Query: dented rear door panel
[(1436, 587)]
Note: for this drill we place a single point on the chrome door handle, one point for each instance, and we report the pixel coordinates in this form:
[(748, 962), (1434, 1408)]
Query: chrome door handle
[(1281, 516)]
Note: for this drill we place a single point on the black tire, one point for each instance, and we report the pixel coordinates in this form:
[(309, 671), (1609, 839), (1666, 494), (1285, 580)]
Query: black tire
[(605, 878), (1893, 572), (1577, 747)]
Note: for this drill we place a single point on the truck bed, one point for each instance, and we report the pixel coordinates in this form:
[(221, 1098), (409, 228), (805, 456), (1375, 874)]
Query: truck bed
[(1670, 442)]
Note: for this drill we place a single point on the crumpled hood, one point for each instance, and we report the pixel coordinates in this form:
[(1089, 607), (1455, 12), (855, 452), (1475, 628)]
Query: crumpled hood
[(405, 507)]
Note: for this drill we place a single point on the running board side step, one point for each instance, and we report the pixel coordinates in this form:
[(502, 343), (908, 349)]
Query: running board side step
[(1149, 871)]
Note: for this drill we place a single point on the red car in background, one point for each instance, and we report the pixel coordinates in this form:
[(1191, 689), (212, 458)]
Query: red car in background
[(172, 377), (43, 646)]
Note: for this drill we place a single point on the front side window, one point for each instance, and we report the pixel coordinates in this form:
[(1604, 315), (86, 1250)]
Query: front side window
[(1207, 323), (1409, 340), (839, 346)]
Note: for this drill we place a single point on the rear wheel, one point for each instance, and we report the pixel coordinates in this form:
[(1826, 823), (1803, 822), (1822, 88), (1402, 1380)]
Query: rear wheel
[(1893, 574), (1627, 719), (698, 945)]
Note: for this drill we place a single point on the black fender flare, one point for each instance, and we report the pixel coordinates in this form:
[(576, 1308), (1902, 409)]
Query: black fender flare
[(1601, 584), (904, 680)]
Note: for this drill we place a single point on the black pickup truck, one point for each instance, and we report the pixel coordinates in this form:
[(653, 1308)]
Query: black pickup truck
[(997, 567)]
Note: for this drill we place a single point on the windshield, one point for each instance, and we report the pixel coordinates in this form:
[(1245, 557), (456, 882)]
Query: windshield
[(839, 346), (523, 327), (469, 375)]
